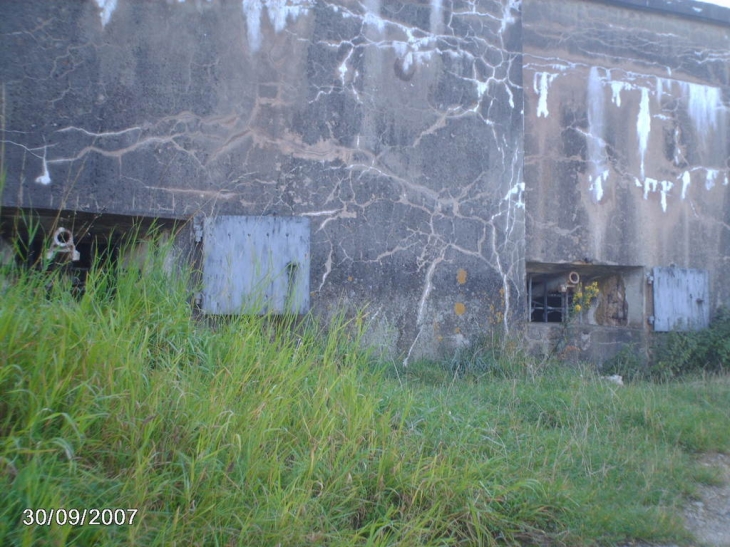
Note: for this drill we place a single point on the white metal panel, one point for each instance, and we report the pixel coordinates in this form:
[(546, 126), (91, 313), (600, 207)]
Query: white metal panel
[(681, 299), (255, 265)]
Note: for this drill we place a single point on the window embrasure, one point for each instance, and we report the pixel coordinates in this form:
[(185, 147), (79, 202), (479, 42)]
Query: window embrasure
[(588, 293)]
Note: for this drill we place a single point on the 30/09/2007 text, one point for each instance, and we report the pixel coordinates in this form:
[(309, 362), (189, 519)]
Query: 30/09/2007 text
[(78, 517)]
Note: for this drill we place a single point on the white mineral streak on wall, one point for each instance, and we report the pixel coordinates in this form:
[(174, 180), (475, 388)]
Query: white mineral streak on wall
[(252, 12), (45, 177), (597, 182), (107, 7), (437, 16), (541, 88), (643, 125), (686, 179), (517, 190), (279, 12), (660, 89), (596, 143), (413, 50), (372, 15), (666, 188), (507, 17), (282, 10), (663, 186), (703, 104), (617, 86), (342, 69)]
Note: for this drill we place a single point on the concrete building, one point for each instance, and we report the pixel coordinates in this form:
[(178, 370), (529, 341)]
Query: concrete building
[(461, 167)]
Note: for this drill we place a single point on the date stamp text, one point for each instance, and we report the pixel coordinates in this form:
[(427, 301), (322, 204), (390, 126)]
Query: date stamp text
[(78, 517)]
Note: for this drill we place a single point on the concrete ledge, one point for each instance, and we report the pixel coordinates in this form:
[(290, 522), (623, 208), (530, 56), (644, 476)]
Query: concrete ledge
[(684, 8)]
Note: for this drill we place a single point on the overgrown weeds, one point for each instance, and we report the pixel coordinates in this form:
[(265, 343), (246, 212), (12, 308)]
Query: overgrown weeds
[(678, 354), (274, 431), (681, 353), (622, 455), (251, 431)]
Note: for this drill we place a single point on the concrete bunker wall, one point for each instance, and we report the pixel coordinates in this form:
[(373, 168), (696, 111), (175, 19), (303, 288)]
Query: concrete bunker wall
[(626, 151), (395, 127)]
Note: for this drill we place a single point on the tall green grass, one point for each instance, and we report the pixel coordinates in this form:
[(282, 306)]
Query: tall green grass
[(281, 431), (623, 455), (245, 431)]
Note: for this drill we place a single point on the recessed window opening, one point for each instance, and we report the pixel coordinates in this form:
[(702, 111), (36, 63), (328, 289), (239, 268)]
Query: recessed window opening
[(68, 242), (591, 294), (551, 296)]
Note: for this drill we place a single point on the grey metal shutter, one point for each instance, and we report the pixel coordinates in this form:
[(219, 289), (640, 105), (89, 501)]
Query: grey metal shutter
[(681, 299), (255, 265)]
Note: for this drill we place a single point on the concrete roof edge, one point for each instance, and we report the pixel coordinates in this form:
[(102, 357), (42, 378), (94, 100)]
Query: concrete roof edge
[(711, 13)]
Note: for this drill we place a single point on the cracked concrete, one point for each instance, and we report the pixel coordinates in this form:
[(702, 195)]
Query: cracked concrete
[(626, 152), (395, 127)]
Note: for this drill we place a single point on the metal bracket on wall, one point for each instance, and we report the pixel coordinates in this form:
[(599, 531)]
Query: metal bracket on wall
[(198, 228), (63, 244)]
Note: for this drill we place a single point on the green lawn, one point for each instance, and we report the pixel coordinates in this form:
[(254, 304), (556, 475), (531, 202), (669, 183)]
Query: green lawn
[(263, 431)]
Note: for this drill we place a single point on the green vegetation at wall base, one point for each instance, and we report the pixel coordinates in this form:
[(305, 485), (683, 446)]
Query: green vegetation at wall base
[(274, 431)]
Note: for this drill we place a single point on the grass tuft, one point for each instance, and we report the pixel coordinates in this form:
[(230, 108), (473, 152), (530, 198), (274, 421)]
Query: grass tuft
[(278, 431)]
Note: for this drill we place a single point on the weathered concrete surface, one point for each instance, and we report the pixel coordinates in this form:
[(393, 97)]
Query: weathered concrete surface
[(626, 148), (395, 126)]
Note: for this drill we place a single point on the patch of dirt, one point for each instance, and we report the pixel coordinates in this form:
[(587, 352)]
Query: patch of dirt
[(709, 517)]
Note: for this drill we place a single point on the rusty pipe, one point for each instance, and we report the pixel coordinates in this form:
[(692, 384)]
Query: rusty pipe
[(557, 283)]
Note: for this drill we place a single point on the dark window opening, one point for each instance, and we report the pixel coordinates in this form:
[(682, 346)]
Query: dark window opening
[(68, 242), (551, 296), (592, 294)]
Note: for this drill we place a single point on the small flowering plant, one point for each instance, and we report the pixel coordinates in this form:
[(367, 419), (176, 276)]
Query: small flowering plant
[(583, 297)]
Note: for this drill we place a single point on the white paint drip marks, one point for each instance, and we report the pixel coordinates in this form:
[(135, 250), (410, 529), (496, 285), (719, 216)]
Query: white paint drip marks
[(279, 12), (541, 84), (710, 179), (686, 180), (597, 183), (643, 125), (107, 7), (662, 186)]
